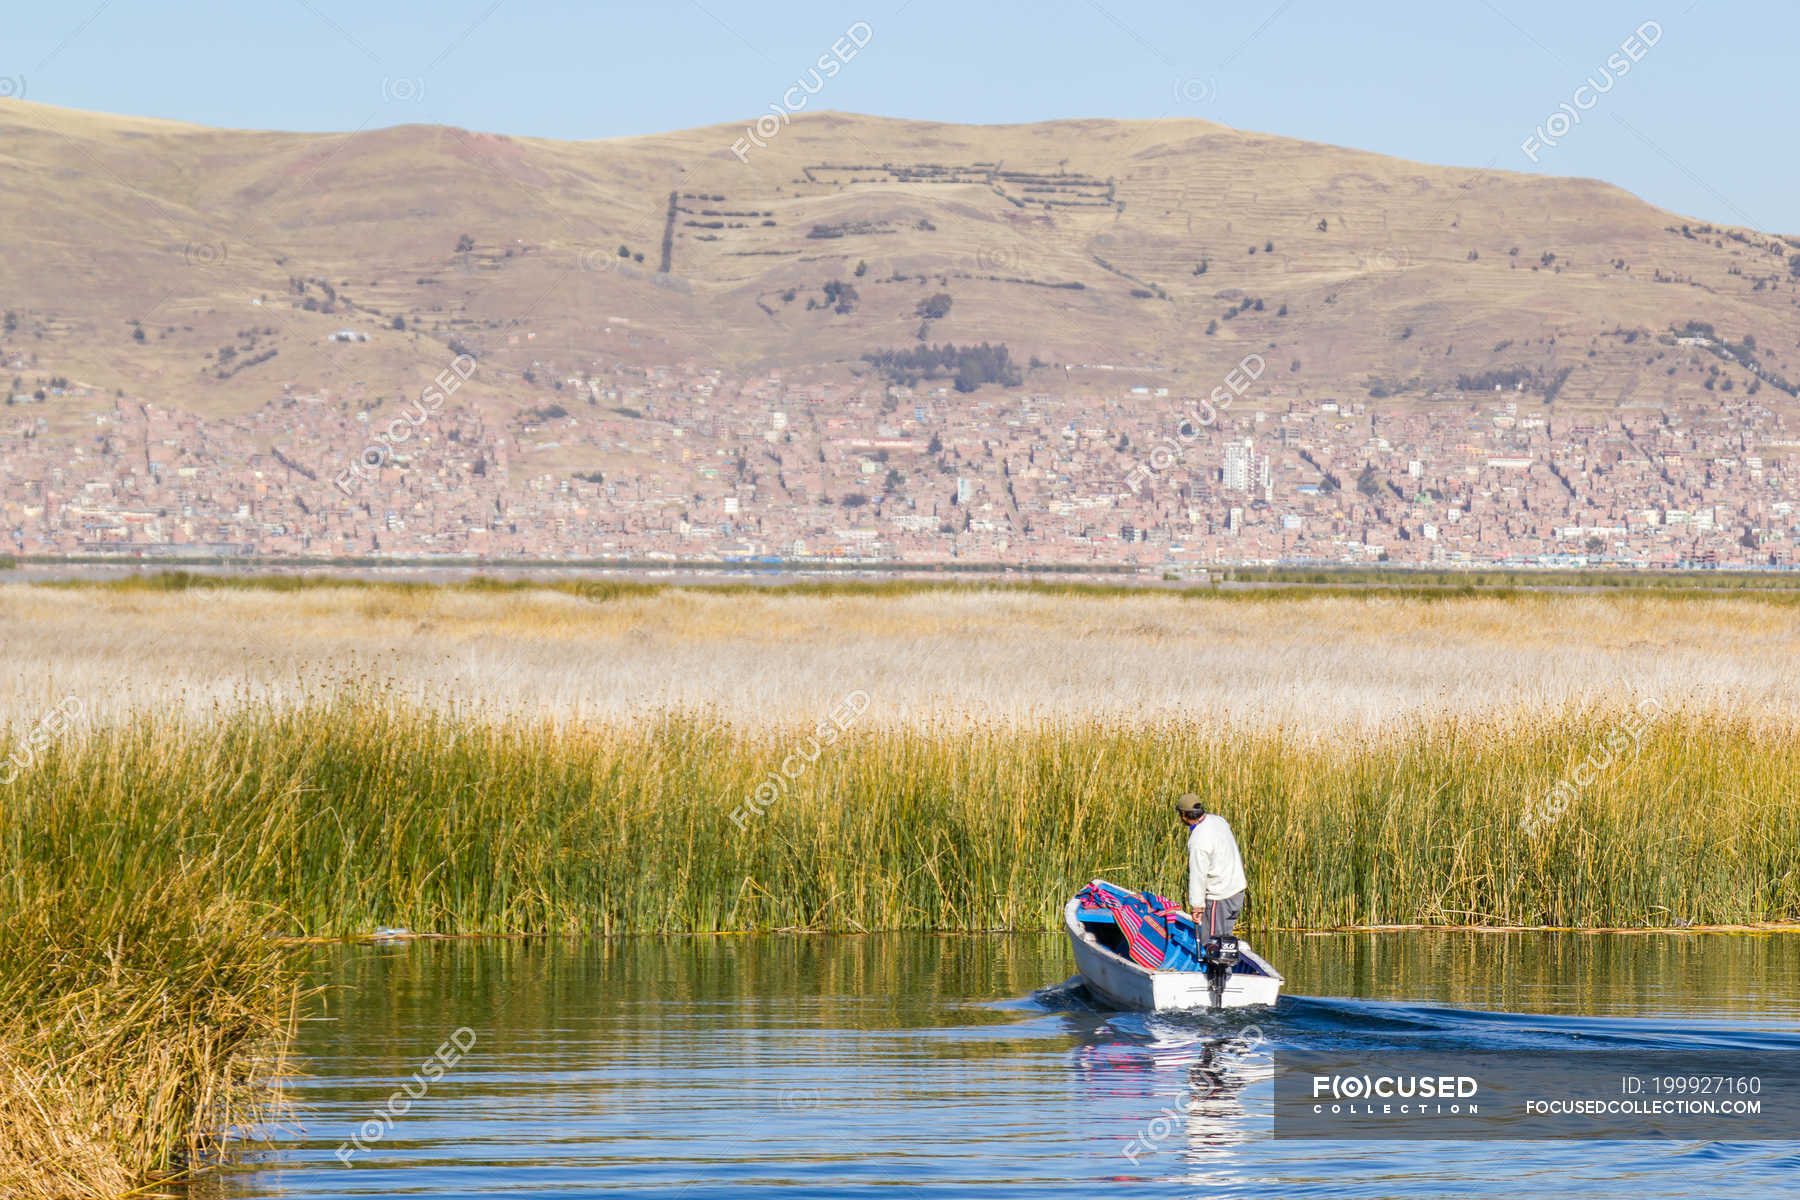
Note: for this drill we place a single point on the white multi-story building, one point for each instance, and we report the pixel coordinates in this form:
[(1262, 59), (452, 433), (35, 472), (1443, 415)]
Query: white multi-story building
[(1238, 459)]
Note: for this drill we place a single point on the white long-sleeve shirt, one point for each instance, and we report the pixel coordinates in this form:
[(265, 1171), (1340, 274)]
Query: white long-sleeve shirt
[(1215, 868)]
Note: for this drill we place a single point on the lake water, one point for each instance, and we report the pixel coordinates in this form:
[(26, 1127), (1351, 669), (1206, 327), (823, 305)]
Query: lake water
[(921, 1066)]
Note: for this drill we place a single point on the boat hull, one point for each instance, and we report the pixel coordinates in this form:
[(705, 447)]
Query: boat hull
[(1126, 984)]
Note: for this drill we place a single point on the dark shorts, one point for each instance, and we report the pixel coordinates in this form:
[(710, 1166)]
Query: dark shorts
[(1221, 916)]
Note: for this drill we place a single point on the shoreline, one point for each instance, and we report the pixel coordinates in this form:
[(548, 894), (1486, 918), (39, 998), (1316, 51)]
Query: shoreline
[(156, 570), (369, 939)]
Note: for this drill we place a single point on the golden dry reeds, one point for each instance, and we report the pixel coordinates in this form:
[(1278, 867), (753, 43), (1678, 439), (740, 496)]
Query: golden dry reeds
[(140, 1026), (1334, 665)]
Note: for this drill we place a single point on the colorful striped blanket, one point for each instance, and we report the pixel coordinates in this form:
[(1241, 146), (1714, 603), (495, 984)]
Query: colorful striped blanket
[(1158, 933)]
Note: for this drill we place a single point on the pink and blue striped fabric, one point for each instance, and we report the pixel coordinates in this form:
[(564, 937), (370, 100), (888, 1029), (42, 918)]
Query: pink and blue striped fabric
[(1158, 934)]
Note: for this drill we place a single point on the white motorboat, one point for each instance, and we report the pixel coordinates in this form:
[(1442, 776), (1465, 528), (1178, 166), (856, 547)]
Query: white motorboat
[(1102, 957)]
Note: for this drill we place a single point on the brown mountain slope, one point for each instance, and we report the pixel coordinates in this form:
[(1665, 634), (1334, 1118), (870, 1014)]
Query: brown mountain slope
[(1075, 242)]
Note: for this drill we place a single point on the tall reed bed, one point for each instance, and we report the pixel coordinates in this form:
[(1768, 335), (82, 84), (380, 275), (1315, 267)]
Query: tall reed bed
[(362, 812), (144, 864), (141, 1023)]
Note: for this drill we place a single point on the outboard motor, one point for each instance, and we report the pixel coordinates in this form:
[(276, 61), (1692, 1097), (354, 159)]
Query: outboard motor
[(1219, 958)]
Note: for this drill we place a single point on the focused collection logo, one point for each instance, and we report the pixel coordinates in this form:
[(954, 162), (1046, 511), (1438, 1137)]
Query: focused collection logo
[(1376, 1095)]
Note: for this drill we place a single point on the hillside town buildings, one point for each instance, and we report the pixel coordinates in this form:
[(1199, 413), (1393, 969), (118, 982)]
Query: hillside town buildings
[(682, 463)]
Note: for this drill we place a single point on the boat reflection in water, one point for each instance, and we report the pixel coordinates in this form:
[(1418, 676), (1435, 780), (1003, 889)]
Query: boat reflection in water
[(1201, 1087)]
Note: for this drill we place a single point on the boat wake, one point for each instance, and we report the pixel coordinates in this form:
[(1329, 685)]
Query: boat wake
[(1316, 1023), (1071, 995), (1106, 1039)]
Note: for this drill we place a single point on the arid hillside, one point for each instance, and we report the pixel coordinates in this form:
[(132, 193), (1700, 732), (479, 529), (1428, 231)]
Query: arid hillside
[(208, 268)]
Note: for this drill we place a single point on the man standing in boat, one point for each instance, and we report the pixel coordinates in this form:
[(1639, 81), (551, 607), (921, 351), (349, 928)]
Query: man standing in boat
[(1215, 869)]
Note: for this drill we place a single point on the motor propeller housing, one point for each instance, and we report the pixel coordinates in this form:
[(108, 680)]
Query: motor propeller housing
[(1222, 950), (1218, 957)]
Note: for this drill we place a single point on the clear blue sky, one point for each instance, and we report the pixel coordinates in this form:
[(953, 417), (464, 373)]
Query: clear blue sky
[(1703, 122)]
